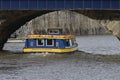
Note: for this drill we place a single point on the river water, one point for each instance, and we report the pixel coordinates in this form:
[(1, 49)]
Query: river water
[(98, 59)]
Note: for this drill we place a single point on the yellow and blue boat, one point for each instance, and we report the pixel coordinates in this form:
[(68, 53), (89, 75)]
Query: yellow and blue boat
[(53, 42)]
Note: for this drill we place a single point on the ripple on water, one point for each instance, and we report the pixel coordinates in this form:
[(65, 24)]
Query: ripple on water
[(79, 66)]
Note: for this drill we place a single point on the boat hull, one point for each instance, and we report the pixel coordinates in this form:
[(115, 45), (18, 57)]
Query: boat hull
[(51, 50)]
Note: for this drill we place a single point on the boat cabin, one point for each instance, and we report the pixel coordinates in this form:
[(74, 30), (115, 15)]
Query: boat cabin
[(53, 39), (54, 31)]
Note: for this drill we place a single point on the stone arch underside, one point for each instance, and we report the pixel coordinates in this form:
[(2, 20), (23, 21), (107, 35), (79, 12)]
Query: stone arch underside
[(71, 22), (13, 20)]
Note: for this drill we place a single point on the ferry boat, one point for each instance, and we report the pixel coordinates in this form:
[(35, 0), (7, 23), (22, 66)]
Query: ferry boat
[(53, 42)]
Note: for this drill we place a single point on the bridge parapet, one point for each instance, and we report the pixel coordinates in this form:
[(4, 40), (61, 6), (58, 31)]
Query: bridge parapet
[(59, 4)]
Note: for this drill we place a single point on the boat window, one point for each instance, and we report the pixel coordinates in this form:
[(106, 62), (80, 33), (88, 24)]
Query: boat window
[(72, 41), (50, 42), (57, 44), (54, 32), (40, 42), (67, 42), (31, 43)]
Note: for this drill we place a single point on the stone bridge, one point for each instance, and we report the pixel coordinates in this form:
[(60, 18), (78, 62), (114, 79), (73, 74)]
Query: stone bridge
[(11, 20)]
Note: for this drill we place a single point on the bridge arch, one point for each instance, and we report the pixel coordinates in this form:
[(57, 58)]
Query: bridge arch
[(71, 22), (13, 20)]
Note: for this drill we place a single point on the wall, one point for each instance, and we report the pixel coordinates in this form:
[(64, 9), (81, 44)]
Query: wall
[(71, 22)]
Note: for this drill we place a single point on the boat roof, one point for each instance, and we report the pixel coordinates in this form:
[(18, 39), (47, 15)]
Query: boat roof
[(49, 36)]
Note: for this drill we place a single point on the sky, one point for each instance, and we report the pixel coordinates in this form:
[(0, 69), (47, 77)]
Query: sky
[(59, 4)]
